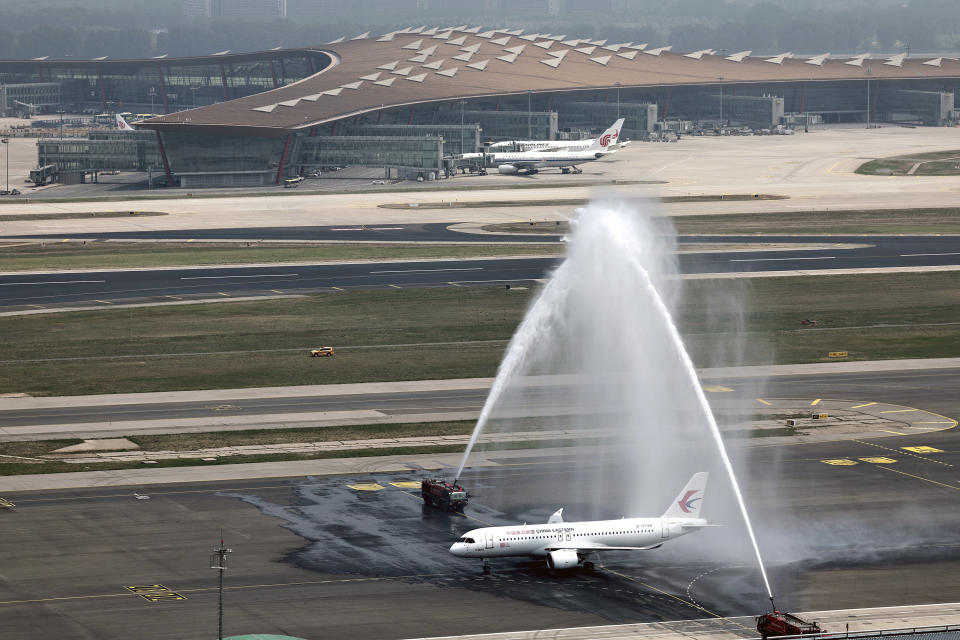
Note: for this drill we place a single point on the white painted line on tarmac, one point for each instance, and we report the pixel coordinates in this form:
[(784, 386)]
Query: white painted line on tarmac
[(781, 259), (430, 270), (11, 284), (261, 275), (917, 255)]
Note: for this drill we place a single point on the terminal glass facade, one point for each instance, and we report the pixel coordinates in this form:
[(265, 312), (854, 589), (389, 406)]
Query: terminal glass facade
[(104, 151), (456, 139), (31, 97), (594, 117), (418, 153), (497, 125)]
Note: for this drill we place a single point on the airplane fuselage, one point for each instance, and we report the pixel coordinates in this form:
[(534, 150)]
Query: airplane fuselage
[(591, 536)]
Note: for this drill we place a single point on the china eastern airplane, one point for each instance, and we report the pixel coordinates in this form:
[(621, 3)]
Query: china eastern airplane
[(567, 545), (609, 138)]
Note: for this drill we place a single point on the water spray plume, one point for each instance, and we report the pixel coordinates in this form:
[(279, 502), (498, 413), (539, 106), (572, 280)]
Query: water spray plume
[(604, 321)]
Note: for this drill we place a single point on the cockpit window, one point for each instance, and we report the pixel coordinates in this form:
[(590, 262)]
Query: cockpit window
[(466, 540)]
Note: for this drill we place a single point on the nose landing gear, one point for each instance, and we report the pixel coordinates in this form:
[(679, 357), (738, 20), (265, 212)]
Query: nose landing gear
[(486, 567)]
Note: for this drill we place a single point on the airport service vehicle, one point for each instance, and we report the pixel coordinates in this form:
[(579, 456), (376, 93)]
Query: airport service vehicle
[(568, 545), (609, 138), (321, 352), (292, 182), (441, 494), (785, 624)]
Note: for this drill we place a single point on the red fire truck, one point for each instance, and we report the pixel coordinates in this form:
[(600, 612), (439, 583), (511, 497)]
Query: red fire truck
[(785, 624), (440, 494)]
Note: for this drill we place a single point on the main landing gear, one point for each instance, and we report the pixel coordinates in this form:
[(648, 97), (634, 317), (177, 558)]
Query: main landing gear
[(486, 567)]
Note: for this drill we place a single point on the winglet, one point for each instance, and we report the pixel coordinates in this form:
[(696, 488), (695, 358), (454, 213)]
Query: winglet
[(688, 502), (556, 517), (609, 137)]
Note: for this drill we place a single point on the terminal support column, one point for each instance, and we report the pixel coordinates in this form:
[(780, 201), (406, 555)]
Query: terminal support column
[(163, 89), (283, 158), (163, 157), (103, 92)]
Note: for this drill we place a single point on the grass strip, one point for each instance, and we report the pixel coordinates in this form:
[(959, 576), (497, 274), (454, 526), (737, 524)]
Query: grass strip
[(554, 202), (872, 317), (936, 163), (34, 256), (845, 222)]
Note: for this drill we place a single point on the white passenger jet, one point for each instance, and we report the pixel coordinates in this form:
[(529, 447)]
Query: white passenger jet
[(566, 545), (123, 125), (607, 140)]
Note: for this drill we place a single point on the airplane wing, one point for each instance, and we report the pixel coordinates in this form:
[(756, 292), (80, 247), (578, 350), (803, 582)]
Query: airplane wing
[(596, 546)]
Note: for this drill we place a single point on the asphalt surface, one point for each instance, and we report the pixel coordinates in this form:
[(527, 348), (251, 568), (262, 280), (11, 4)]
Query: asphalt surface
[(929, 390), (316, 557), (52, 290)]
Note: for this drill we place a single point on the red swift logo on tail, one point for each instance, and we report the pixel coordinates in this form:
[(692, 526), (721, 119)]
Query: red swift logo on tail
[(686, 502)]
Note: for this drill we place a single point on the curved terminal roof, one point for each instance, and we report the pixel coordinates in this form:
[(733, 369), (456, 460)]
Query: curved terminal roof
[(420, 65)]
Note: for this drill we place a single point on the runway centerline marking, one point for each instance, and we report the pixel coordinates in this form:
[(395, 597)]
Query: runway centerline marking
[(762, 401), (430, 270), (919, 255), (259, 275), (782, 259), (17, 284), (715, 388)]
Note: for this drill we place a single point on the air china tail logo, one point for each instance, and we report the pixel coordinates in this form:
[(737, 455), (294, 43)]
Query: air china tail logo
[(605, 140), (686, 502)]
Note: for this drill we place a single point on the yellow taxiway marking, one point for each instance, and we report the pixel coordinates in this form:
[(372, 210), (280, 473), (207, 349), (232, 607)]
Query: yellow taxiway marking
[(879, 460), (896, 433), (155, 592), (394, 286), (371, 486), (865, 404), (103, 301), (923, 449), (669, 595), (953, 422), (941, 484), (338, 288), (900, 451), (816, 402), (840, 462), (227, 295), (715, 388), (900, 411), (762, 401), (406, 484)]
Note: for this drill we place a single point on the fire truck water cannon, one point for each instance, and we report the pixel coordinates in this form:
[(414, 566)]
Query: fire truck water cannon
[(440, 494)]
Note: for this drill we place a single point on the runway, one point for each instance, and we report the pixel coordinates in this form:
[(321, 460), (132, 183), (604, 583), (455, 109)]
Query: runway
[(101, 288)]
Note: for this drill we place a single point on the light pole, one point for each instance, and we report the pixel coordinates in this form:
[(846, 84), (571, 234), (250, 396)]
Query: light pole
[(6, 141), (462, 102), (618, 101), (868, 97), (529, 116), (218, 560), (152, 93), (60, 111)]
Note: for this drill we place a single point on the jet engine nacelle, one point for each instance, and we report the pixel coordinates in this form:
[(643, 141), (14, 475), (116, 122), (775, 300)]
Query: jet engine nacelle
[(508, 169), (563, 559)]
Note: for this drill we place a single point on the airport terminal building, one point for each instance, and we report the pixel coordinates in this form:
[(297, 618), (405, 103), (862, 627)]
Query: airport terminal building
[(411, 100)]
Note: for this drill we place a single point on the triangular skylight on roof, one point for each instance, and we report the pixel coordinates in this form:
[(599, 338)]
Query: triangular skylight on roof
[(390, 66), (267, 109), (333, 92), (613, 47), (501, 41), (896, 61), (586, 50), (402, 72), (599, 43), (638, 47), (817, 60), (429, 32), (475, 29), (465, 57), (416, 44), (436, 64), (443, 36), (517, 50), (417, 78), (420, 58), (857, 61), (559, 54), (352, 85), (311, 98), (452, 71), (544, 44), (514, 32), (779, 58), (372, 77), (696, 55), (601, 60), (417, 30), (629, 55), (557, 38), (289, 103), (571, 43), (479, 66), (100, 58), (473, 48), (552, 62), (457, 41), (337, 41), (362, 36), (510, 57), (486, 34), (386, 82), (935, 62), (658, 50), (429, 51), (530, 37), (739, 56), (387, 37)]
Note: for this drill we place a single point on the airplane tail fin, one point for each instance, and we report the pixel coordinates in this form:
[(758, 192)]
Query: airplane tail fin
[(556, 517), (688, 502), (608, 137), (122, 124)]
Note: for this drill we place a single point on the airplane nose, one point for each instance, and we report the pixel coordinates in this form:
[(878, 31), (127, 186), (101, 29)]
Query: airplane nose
[(457, 549)]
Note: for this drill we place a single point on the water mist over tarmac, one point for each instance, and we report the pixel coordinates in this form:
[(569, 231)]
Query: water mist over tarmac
[(604, 326)]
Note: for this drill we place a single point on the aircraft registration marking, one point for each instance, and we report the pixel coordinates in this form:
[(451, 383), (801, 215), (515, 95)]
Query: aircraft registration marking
[(923, 449), (155, 592), (840, 462), (716, 389), (372, 486), (407, 484), (879, 460)]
